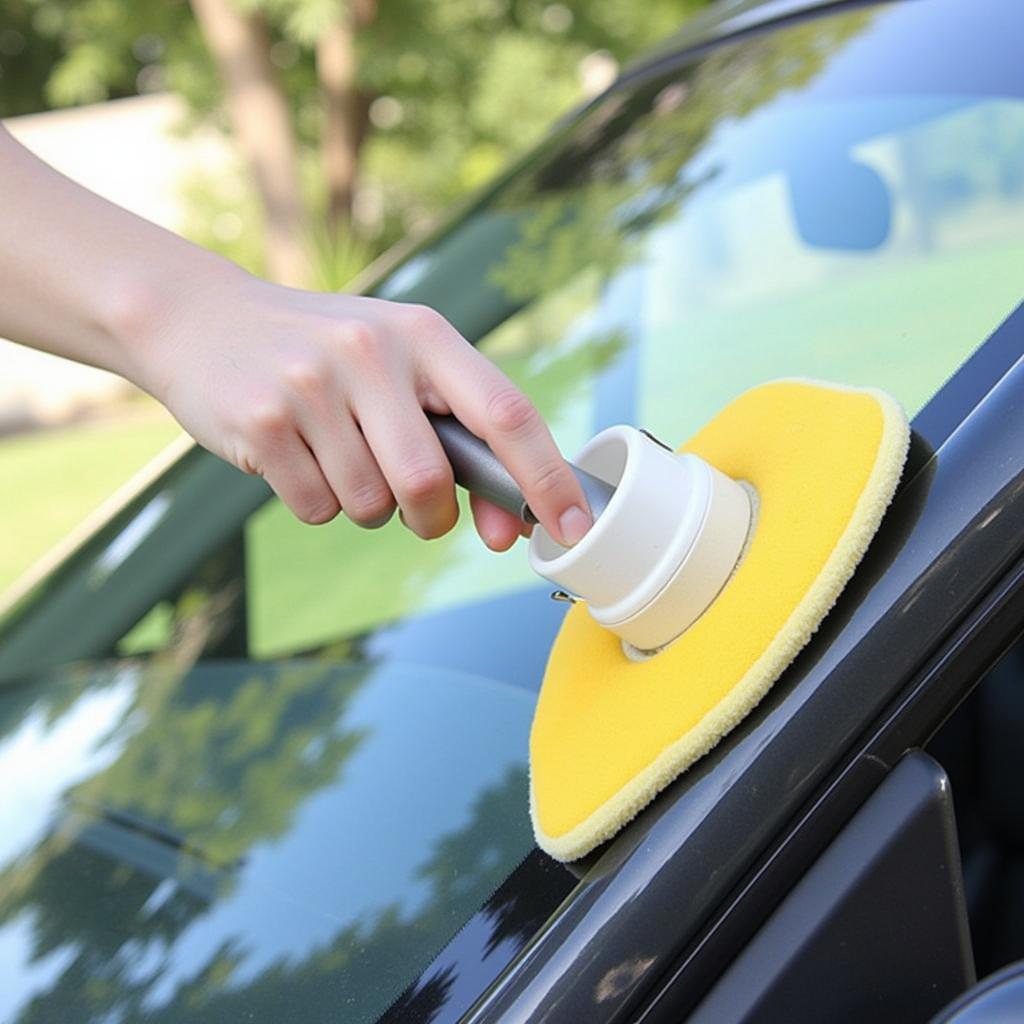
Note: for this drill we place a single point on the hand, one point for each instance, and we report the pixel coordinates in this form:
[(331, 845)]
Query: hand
[(323, 396)]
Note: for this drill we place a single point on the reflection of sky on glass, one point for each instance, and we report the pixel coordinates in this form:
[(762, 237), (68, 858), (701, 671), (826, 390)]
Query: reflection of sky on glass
[(131, 537), (42, 760), (434, 743), (20, 977)]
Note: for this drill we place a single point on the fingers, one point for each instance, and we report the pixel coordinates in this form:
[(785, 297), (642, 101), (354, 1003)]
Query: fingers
[(349, 467), (487, 402), (345, 426), (412, 461), (274, 450), (498, 529)]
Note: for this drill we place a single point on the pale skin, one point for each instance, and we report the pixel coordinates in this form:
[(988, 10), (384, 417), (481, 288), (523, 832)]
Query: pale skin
[(323, 395)]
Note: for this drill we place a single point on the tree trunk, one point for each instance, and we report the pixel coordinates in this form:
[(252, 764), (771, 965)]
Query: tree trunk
[(345, 112), (240, 45)]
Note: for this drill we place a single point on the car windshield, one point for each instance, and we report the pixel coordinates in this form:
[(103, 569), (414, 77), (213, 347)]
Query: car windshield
[(306, 771)]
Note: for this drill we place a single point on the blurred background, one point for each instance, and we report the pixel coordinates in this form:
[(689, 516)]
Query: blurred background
[(301, 138)]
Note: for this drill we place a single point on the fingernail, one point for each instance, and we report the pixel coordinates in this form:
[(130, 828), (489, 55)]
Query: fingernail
[(382, 520), (573, 524)]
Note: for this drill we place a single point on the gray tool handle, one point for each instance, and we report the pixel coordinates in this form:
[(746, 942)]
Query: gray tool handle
[(477, 469)]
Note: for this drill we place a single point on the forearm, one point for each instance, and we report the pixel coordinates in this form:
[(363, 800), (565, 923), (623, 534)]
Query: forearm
[(323, 395), (81, 277)]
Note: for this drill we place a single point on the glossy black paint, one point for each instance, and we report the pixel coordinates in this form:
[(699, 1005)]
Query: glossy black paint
[(955, 529), (486, 944), (836, 947)]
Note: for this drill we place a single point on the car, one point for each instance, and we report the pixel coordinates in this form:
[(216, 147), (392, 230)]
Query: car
[(266, 772)]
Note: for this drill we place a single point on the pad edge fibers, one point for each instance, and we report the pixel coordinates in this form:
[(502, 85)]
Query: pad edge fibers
[(801, 624)]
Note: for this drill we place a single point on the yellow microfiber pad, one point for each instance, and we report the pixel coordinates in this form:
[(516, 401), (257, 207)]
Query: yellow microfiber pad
[(610, 732)]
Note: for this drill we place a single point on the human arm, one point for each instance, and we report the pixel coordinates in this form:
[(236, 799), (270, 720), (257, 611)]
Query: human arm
[(321, 394)]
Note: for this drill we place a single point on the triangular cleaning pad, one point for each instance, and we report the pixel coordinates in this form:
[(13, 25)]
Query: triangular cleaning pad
[(610, 732)]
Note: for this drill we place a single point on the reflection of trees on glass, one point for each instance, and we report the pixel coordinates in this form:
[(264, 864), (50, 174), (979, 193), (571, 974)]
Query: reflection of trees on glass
[(215, 764), (102, 916), (226, 773), (210, 772), (621, 173), (513, 914), (472, 855)]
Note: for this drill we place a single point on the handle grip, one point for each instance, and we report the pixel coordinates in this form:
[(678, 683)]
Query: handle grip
[(480, 472)]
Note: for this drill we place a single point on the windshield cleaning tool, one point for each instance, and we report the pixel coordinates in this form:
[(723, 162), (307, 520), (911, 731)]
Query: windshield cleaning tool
[(614, 725), (662, 549), (668, 530), (476, 468)]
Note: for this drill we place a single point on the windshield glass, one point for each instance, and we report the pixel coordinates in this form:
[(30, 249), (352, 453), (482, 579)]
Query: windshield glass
[(327, 727), (769, 212)]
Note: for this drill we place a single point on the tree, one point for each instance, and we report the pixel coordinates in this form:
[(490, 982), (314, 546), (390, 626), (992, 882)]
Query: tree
[(345, 109), (239, 42), (361, 119)]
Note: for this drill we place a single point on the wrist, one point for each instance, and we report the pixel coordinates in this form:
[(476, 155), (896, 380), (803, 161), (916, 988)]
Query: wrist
[(142, 309)]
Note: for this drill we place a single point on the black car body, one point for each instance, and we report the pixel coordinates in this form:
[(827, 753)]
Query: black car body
[(268, 773)]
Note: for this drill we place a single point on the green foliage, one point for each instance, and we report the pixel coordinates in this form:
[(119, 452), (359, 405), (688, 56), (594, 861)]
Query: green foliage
[(338, 260), (26, 58), (462, 86), (302, 21), (105, 46), (640, 146), (478, 82), (223, 213), (505, 112)]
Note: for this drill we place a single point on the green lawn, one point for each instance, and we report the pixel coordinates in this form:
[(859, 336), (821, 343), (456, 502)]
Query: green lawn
[(53, 479)]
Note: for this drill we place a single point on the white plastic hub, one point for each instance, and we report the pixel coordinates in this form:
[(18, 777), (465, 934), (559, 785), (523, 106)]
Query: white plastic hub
[(663, 548)]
